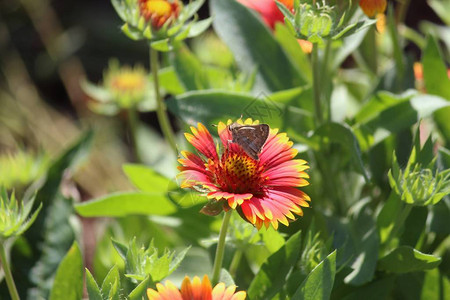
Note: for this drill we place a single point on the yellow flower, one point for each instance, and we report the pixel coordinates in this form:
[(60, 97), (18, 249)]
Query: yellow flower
[(127, 85), (159, 12), (373, 7), (195, 290)]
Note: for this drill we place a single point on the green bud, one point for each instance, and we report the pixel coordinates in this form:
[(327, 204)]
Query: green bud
[(14, 215), (417, 185)]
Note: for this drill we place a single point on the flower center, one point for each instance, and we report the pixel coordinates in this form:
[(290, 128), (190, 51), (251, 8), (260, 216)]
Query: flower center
[(128, 81), (238, 173), (158, 11)]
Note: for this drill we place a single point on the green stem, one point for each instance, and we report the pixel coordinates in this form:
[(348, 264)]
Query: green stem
[(325, 77), (316, 85), (134, 129), (399, 222), (404, 5), (8, 276), (220, 251), (235, 262), (161, 111)]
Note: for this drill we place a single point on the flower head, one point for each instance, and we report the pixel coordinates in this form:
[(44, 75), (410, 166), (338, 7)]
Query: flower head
[(159, 12), (373, 7), (263, 191), (195, 290), (123, 87), (161, 22)]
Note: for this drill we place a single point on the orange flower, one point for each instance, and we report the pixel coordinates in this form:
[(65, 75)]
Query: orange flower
[(373, 7), (263, 191), (158, 12), (197, 290)]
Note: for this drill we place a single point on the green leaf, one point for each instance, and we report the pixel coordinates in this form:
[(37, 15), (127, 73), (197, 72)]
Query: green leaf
[(126, 203), (343, 135), (161, 45), (176, 261), (93, 290), (122, 249), (253, 46), (111, 284), (437, 82), (68, 282), (199, 27), (366, 244), (189, 69), (405, 259), (139, 292), (291, 45), (146, 179), (169, 81), (212, 106), (388, 215), (272, 275), (374, 290), (319, 283)]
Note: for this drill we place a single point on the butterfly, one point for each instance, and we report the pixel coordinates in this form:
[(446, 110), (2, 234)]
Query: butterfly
[(251, 138)]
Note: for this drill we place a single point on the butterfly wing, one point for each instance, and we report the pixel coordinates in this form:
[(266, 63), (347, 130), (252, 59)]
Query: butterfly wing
[(250, 137)]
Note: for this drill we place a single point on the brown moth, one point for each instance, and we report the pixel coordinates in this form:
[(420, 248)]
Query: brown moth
[(250, 137)]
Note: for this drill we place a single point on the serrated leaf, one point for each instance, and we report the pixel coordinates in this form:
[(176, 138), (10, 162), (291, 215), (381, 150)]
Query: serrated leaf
[(406, 259)]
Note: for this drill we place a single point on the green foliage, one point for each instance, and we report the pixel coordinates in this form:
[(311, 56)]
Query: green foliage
[(405, 259), (68, 282), (319, 283), (38, 254), (253, 46)]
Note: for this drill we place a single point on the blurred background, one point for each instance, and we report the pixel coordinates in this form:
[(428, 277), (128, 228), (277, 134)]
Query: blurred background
[(46, 49)]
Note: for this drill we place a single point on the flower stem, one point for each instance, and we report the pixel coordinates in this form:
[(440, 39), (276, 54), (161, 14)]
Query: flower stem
[(161, 112), (316, 84), (8, 276), (235, 262), (399, 222), (220, 248), (134, 129)]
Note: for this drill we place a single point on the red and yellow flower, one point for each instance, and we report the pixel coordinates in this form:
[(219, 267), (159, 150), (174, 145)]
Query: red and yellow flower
[(195, 290), (264, 191), (373, 7), (158, 12)]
